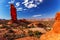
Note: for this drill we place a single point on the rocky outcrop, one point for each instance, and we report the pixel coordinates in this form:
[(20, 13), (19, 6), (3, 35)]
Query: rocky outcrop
[(54, 34)]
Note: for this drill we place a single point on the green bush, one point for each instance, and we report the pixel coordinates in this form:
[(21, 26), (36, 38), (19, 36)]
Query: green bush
[(1, 27), (9, 36), (30, 33), (20, 36), (7, 27), (31, 26), (37, 34), (10, 31)]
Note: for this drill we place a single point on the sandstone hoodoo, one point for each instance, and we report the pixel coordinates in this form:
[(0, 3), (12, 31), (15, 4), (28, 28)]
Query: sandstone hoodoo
[(54, 34), (13, 13)]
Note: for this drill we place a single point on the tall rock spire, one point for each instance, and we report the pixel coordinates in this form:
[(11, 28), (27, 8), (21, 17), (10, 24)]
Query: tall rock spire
[(13, 13)]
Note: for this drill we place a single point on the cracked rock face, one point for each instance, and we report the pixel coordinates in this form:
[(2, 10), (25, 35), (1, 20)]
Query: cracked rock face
[(54, 34)]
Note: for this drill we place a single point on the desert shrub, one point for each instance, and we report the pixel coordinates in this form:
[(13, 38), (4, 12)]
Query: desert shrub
[(1, 27), (30, 33), (23, 26), (12, 36), (37, 34), (20, 36), (4, 26), (9, 36), (31, 26), (10, 31), (12, 25), (7, 27)]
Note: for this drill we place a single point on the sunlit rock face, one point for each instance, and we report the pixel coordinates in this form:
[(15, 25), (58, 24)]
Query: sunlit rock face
[(56, 26), (54, 34), (57, 16)]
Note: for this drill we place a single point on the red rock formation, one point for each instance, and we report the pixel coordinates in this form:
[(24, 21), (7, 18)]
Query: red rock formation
[(13, 13), (56, 26), (54, 34), (57, 16)]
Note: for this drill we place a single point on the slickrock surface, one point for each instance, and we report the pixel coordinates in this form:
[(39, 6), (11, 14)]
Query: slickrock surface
[(28, 38), (54, 34)]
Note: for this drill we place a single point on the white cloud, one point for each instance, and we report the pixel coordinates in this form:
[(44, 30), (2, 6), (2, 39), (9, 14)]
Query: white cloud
[(31, 1), (40, 0), (25, 1), (31, 4), (24, 9), (37, 15), (19, 9), (12, 1), (17, 4)]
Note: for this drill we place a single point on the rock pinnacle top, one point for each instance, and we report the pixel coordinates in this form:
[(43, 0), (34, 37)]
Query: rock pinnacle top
[(57, 16)]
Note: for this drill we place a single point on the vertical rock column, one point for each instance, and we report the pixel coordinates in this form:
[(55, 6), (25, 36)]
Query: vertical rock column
[(13, 13)]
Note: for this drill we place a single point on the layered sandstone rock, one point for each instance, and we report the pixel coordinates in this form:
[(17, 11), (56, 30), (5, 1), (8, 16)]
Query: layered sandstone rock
[(54, 34)]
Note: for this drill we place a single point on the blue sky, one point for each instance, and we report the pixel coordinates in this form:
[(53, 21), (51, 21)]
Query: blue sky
[(30, 8)]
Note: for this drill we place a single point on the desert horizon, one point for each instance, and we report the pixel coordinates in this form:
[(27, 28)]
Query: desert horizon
[(29, 19)]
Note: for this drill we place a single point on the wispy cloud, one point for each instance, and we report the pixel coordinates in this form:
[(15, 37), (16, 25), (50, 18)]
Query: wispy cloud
[(24, 9), (25, 1), (41, 0), (39, 15), (19, 9), (17, 4), (12, 1)]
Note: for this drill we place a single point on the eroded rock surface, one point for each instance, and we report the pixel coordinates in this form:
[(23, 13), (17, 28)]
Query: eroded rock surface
[(54, 34)]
